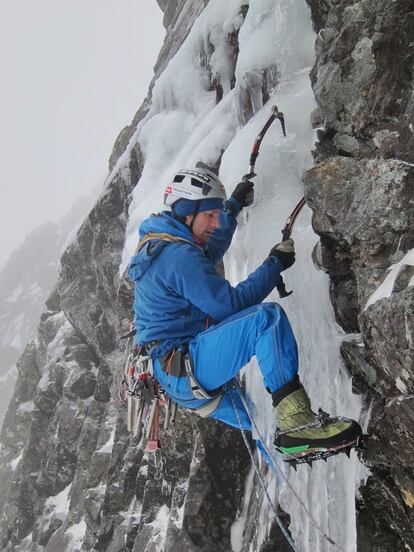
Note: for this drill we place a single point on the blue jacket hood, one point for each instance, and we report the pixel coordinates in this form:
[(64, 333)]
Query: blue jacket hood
[(161, 223), (165, 222)]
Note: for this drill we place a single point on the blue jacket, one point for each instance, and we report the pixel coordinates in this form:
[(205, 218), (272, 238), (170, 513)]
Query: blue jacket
[(177, 286)]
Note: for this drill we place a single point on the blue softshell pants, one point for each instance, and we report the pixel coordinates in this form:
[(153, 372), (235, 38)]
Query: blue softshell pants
[(219, 353)]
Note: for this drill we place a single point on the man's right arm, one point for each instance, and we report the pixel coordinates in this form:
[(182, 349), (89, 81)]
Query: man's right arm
[(242, 196), (196, 279)]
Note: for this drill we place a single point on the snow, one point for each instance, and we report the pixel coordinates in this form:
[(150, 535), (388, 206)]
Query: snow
[(143, 471), (109, 445), (56, 347), (77, 533), (43, 382), (71, 237), (16, 461), (26, 407), (58, 505), (131, 516), (400, 385), (160, 526), (27, 540), (236, 532), (387, 286), (177, 515), (185, 125)]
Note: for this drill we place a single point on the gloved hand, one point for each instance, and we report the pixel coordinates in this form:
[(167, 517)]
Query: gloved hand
[(285, 252), (242, 196)]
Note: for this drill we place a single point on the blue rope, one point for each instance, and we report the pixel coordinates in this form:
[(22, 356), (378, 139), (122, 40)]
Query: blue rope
[(273, 466), (260, 476)]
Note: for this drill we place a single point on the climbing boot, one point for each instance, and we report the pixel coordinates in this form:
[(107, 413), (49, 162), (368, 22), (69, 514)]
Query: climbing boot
[(304, 436)]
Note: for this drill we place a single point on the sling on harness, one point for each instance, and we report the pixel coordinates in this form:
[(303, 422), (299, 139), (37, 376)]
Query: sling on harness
[(143, 396), (178, 363), (200, 393), (163, 236)]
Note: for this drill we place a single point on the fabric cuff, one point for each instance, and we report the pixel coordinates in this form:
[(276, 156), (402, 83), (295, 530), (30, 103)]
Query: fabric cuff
[(233, 206), (286, 390)]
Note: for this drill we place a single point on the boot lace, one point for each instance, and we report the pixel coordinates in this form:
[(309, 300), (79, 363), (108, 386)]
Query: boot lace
[(321, 419)]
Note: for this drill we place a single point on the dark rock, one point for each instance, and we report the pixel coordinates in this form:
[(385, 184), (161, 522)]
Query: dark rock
[(388, 327), (362, 203), (276, 540), (385, 524), (358, 210), (319, 10)]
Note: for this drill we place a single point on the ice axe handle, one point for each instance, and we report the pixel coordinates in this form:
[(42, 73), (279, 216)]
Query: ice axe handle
[(281, 288)]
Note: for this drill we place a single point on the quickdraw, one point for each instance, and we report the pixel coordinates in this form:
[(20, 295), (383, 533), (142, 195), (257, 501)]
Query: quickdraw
[(290, 221), (143, 396)]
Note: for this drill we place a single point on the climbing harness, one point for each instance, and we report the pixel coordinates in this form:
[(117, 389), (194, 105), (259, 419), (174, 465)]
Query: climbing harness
[(290, 221), (213, 398), (277, 471), (144, 396)]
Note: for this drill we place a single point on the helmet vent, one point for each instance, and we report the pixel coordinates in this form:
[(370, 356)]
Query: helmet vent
[(196, 182), (179, 178)]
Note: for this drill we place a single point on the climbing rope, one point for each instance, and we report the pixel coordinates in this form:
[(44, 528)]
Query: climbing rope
[(276, 469), (261, 478)]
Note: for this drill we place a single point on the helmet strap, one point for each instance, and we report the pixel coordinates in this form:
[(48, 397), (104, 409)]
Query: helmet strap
[(196, 211)]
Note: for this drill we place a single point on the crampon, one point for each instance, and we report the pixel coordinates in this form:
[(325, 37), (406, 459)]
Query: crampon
[(310, 456), (310, 442)]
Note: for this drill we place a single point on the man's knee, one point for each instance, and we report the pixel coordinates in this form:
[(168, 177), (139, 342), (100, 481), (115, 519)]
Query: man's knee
[(270, 313)]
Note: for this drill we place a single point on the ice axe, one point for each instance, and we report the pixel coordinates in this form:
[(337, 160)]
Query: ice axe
[(287, 230)]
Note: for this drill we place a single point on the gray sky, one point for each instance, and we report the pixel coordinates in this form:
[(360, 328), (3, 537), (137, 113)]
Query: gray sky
[(73, 74)]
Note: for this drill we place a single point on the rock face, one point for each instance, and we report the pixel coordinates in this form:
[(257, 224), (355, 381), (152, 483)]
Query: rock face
[(25, 283), (72, 478), (71, 475), (361, 192)]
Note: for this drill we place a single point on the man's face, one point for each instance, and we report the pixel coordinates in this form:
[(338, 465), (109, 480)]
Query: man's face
[(204, 224)]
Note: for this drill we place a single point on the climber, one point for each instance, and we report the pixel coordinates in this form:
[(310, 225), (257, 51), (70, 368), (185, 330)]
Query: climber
[(201, 331)]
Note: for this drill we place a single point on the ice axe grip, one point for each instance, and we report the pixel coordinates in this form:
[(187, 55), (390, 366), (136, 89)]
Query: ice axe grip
[(286, 233), (281, 288)]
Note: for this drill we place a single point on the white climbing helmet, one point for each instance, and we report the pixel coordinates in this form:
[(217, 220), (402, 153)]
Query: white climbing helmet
[(194, 184)]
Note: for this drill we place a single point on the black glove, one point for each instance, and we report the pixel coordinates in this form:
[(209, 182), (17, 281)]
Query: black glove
[(285, 252), (244, 191), (242, 196)]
